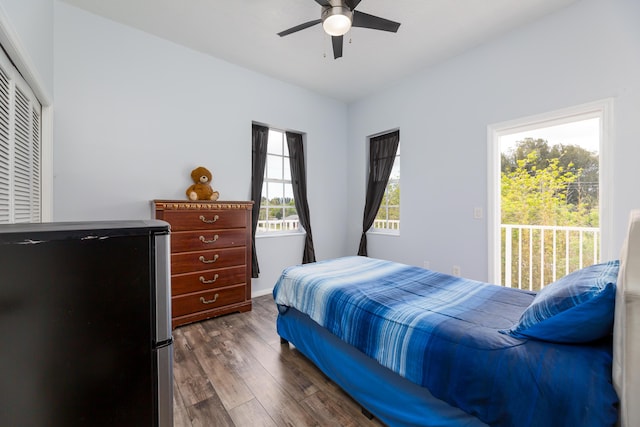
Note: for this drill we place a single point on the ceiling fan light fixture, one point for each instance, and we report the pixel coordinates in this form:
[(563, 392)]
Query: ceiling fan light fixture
[(336, 21)]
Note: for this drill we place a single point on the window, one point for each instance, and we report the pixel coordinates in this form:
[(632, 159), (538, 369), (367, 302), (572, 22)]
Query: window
[(388, 217), (277, 207), (20, 148), (548, 187)]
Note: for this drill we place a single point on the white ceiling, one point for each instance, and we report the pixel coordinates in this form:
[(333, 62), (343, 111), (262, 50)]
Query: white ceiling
[(243, 32)]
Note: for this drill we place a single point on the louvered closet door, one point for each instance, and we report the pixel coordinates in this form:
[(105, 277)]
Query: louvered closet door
[(20, 148), (5, 148)]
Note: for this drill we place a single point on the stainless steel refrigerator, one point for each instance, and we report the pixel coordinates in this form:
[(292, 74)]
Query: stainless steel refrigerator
[(85, 324)]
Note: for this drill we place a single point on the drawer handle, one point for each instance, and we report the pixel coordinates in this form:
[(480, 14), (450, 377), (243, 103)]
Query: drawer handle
[(211, 301), (209, 221), (204, 239), (206, 282), (209, 261)]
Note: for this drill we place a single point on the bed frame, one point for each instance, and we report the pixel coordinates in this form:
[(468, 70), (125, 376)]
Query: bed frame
[(626, 327), (399, 402), (381, 392)]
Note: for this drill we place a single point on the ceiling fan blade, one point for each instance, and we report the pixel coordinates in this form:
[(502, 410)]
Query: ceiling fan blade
[(323, 2), (299, 27), (337, 46), (352, 3), (364, 20)]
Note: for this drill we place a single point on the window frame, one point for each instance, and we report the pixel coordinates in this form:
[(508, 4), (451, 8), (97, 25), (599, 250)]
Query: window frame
[(602, 109), (384, 204), (286, 168)]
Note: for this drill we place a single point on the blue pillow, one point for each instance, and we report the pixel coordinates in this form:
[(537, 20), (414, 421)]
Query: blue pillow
[(577, 308)]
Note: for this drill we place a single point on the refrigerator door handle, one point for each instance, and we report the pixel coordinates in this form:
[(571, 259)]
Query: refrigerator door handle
[(163, 288), (162, 344)]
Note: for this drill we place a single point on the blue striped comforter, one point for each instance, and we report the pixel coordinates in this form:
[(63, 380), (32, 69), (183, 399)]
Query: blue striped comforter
[(441, 332)]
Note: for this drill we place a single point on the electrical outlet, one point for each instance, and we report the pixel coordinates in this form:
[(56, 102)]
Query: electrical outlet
[(426, 264), (477, 213), (456, 270)]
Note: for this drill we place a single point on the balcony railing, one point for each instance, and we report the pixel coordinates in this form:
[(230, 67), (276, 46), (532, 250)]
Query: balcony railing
[(536, 255), (278, 225), (386, 224)]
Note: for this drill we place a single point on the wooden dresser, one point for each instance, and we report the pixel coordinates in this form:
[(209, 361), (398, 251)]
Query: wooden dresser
[(210, 257)]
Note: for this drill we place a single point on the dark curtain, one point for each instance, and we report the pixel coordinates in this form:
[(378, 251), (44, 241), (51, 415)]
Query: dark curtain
[(299, 183), (259, 138), (382, 153)]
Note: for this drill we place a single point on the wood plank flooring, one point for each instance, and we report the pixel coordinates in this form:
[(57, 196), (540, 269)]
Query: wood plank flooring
[(233, 371)]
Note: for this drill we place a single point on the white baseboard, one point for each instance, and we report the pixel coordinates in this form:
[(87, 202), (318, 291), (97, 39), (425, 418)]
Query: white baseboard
[(261, 292)]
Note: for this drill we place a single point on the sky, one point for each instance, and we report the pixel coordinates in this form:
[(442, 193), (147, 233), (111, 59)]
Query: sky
[(585, 133)]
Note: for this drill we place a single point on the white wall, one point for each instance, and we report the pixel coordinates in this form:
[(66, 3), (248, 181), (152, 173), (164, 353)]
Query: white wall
[(588, 51), (32, 23), (135, 114)]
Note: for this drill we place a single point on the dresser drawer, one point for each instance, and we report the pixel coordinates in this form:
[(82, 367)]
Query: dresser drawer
[(205, 219), (207, 260), (206, 300), (208, 279), (210, 257), (207, 239)]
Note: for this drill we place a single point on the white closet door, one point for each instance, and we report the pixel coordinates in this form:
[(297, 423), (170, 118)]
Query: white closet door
[(5, 148), (20, 148)]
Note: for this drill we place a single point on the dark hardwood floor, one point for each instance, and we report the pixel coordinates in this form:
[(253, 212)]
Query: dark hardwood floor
[(233, 371)]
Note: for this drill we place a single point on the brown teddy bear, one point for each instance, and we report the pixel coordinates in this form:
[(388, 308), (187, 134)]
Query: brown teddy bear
[(201, 190)]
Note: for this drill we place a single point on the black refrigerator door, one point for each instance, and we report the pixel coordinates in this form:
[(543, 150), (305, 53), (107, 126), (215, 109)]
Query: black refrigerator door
[(76, 326)]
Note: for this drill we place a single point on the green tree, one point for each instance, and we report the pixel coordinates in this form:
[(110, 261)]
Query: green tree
[(538, 187), (583, 163), (521, 152), (585, 189), (536, 196), (390, 204), (290, 207)]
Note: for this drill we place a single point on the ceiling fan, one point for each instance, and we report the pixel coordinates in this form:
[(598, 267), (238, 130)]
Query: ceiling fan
[(338, 16)]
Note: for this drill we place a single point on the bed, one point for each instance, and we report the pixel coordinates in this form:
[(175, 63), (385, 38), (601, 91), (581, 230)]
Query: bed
[(420, 348)]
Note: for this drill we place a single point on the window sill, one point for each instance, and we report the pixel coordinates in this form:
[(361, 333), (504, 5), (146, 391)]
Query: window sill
[(395, 233), (284, 234)]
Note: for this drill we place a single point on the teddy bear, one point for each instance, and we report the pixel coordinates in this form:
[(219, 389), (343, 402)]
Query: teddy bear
[(202, 189)]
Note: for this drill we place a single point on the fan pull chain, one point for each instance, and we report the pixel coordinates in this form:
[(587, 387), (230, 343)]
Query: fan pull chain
[(324, 45)]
